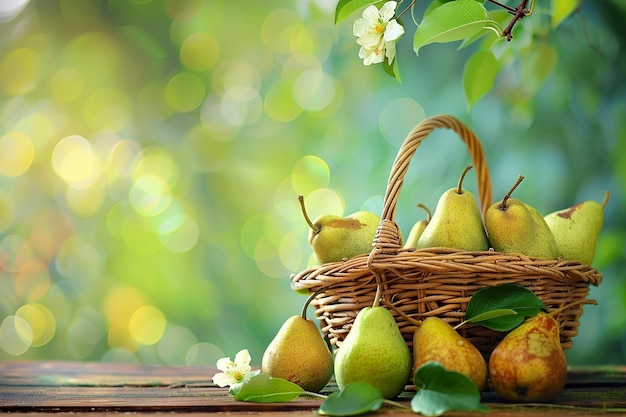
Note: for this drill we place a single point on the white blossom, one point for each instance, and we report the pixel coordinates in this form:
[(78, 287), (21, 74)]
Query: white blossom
[(377, 33), (232, 372)]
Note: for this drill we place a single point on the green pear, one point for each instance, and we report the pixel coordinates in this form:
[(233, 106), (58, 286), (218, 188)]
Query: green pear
[(529, 364), (576, 229), (417, 229), (299, 354), (457, 222), (515, 227), (374, 351), (334, 238), (436, 340)]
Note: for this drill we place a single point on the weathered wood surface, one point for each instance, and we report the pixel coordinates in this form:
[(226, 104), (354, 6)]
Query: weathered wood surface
[(97, 389)]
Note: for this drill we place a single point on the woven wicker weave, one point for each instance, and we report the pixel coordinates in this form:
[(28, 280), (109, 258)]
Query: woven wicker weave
[(438, 281)]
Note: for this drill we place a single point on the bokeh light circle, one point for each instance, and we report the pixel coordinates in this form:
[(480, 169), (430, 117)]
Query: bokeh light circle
[(16, 336), (40, 320), (20, 71), (185, 92), (199, 52), (16, 154), (309, 173), (146, 325), (74, 160)]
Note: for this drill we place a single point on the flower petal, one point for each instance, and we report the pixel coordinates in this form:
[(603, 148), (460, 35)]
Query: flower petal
[(394, 31), (224, 364), (388, 10), (243, 357), (360, 27), (221, 379), (371, 14)]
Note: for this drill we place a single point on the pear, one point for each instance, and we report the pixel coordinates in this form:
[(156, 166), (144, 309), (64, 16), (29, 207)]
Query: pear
[(576, 229), (334, 238), (436, 340), (516, 227), (456, 223), (299, 354), (529, 364), (374, 351), (417, 229)]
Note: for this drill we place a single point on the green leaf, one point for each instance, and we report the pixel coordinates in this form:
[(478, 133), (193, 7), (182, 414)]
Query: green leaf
[(479, 75), (561, 9), (503, 297), (262, 388), (354, 399), (488, 315), (440, 390), (536, 64), (392, 69), (453, 21), (346, 7)]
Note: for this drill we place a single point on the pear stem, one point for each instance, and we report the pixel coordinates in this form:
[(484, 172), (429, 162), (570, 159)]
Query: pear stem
[(306, 216), (607, 194), (308, 301), (428, 213), (502, 205), (574, 304), (459, 189), (377, 298)]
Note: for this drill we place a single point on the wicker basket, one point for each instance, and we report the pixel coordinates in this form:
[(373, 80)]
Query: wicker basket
[(439, 282)]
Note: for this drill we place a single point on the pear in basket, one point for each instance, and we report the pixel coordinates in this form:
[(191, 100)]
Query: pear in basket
[(299, 354), (457, 222), (374, 351), (576, 229), (417, 229), (334, 238), (516, 227), (436, 340), (529, 364)]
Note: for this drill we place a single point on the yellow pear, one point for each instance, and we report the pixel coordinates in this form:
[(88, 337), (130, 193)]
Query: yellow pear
[(417, 229), (576, 229), (529, 364), (515, 227), (299, 354), (456, 223), (334, 238), (436, 340), (374, 351)]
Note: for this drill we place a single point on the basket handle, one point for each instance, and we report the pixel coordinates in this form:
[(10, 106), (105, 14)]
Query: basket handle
[(388, 235)]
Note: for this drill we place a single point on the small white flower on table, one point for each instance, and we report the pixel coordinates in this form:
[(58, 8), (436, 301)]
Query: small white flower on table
[(233, 372)]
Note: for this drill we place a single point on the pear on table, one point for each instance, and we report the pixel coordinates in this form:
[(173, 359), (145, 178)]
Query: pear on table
[(529, 364), (436, 340), (516, 227), (576, 229), (457, 222), (334, 238), (374, 351), (299, 354), (417, 229)]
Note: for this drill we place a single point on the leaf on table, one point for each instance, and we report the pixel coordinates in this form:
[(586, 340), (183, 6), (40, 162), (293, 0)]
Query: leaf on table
[(346, 7), (453, 21), (262, 388), (479, 75), (513, 297), (440, 390), (354, 399)]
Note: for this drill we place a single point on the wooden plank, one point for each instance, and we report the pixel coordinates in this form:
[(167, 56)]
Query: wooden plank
[(116, 388)]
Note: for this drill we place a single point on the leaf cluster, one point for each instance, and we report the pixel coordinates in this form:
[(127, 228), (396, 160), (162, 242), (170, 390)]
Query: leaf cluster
[(471, 23)]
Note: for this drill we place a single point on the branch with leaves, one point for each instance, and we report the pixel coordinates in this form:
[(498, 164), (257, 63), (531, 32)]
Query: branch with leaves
[(444, 21)]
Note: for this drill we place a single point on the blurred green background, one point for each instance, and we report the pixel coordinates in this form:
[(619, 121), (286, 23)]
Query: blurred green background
[(151, 152)]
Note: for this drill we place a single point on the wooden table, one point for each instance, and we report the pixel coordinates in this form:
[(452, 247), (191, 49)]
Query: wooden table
[(35, 389)]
